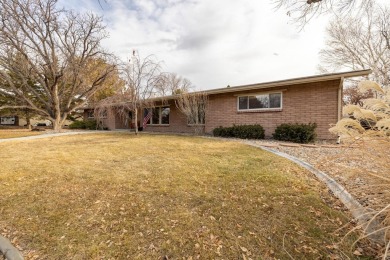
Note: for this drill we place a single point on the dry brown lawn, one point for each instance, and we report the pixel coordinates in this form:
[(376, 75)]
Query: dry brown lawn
[(11, 133), (118, 196)]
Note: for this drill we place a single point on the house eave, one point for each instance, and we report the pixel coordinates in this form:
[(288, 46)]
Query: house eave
[(274, 84), (293, 81), (279, 83)]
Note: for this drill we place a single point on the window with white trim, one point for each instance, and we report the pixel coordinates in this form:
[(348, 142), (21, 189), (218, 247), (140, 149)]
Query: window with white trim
[(260, 102), (160, 115)]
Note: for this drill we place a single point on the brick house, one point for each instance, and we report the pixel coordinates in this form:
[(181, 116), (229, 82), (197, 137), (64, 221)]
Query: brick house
[(313, 99)]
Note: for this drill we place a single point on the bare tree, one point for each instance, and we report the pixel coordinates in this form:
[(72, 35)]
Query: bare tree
[(194, 107), (352, 96), (55, 50), (173, 84), (143, 86), (303, 11), (359, 43), (385, 25)]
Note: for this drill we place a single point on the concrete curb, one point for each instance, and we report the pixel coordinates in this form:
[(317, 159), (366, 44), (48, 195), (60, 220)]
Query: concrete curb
[(371, 227), (8, 250), (53, 135)]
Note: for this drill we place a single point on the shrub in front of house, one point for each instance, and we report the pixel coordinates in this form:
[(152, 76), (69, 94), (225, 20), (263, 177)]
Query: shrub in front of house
[(298, 133), (240, 131), (87, 124)]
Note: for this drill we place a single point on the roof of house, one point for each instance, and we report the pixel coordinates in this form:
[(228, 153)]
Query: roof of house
[(285, 82), (279, 83), (293, 81)]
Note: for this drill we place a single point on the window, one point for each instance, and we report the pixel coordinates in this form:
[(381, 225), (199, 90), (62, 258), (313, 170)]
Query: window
[(260, 102), (100, 113), (8, 120), (160, 115), (90, 114), (155, 120), (165, 115)]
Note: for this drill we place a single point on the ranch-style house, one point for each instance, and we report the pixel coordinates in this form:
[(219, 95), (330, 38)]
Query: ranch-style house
[(314, 99)]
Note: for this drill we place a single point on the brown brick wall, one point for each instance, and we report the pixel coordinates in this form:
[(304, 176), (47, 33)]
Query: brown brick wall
[(108, 122), (177, 122), (305, 103)]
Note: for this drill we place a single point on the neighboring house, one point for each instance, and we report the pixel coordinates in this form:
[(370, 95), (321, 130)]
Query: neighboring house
[(315, 99), (9, 120)]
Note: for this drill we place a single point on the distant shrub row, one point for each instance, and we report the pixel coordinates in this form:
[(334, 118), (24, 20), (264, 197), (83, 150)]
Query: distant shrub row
[(298, 133), (87, 124), (240, 131)]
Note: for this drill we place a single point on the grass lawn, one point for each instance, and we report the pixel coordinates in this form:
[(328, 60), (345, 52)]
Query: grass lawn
[(118, 196), (10, 133)]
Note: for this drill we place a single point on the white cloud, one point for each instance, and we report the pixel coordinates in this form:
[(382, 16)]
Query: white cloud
[(212, 43)]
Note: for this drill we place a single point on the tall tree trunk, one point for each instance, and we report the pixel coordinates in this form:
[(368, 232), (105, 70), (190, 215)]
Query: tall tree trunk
[(135, 121), (28, 120), (57, 123)]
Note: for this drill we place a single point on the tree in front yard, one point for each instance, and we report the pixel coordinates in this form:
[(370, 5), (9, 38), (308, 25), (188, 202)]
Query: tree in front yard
[(143, 81), (48, 57), (194, 107)]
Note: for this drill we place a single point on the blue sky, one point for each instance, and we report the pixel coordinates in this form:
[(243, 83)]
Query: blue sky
[(212, 43)]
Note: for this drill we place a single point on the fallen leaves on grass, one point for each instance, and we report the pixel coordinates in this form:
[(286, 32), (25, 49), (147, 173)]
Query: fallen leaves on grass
[(148, 197)]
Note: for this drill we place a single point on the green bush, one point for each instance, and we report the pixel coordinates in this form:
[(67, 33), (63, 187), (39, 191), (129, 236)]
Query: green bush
[(240, 131), (87, 124), (77, 125), (298, 133), (90, 124)]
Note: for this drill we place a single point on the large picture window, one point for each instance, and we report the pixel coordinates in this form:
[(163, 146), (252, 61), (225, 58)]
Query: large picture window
[(160, 115), (260, 102)]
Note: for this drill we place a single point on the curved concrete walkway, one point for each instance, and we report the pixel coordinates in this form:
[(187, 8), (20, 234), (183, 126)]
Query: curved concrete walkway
[(8, 250), (371, 227), (46, 135)]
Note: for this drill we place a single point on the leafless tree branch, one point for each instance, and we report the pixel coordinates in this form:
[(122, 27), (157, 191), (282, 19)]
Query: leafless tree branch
[(194, 107), (358, 43), (144, 82), (302, 11), (47, 56)]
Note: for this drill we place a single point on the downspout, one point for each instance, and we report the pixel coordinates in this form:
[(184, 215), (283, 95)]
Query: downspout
[(339, 104), (339, 99)]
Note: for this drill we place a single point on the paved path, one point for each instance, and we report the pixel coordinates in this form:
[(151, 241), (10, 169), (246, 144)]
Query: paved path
[(46, 135)]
